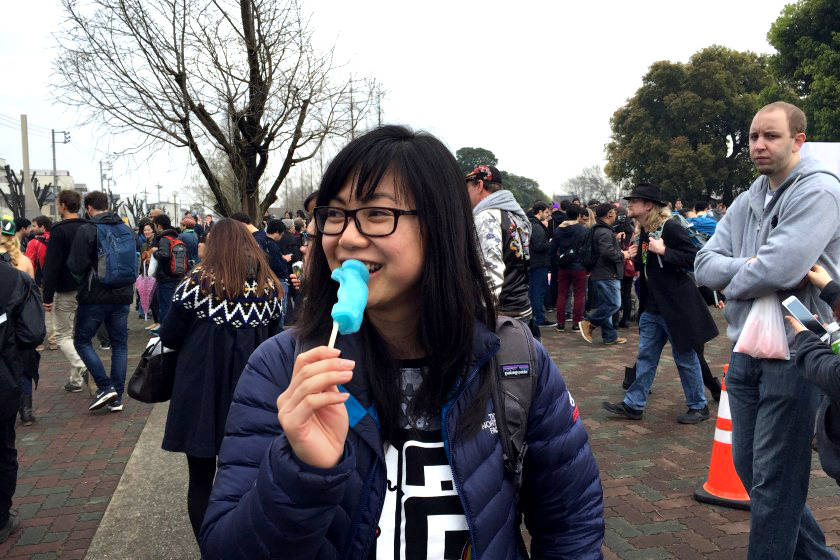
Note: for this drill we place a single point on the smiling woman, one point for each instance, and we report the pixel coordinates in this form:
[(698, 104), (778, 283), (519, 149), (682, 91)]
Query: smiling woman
[(370, 455)]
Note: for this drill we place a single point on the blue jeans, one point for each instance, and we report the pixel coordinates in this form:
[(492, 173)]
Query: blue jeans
[(653, 333), (165, 291), (773, 411), (89, 316), (607, 300), (537, 285)]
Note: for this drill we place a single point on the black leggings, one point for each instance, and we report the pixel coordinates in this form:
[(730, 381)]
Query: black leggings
[(201, 470)]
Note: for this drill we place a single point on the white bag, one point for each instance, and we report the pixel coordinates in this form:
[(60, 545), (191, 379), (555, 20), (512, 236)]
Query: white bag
[(151, 266), (763, 335)]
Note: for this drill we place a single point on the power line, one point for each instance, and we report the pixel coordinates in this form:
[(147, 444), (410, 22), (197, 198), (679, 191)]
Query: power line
[(13, 120)]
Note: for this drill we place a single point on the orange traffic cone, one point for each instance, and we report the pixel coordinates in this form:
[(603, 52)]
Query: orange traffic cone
[(723, 488)]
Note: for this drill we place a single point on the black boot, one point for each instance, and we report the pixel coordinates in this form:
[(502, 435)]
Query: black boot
[(629, 376), (713, 385), (26, 416)]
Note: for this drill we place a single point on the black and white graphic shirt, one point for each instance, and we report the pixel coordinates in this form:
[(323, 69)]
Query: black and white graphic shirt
[(422, 517)]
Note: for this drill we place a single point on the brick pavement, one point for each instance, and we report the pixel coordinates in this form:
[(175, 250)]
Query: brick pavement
[(651, 468), (70, 462)]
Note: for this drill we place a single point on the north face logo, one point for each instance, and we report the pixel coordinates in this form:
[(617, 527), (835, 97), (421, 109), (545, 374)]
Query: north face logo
[(490, 424)]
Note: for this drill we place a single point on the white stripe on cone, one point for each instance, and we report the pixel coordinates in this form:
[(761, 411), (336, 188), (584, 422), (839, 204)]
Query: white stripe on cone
[(723, 436), (723, 407)]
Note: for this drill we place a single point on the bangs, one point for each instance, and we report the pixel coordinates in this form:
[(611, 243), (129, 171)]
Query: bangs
[(366, 168)]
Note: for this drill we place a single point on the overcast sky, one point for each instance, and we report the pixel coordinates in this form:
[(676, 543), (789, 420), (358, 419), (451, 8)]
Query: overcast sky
[(535, 82)]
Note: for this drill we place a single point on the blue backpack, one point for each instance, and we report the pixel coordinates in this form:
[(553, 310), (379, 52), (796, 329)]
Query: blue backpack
[(117, 255)]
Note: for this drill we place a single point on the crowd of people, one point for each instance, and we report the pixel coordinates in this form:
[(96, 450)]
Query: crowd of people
[(369, 449)]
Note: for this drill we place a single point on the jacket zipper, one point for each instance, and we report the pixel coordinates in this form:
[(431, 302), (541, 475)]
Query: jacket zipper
[(449, 454), (367, 486)]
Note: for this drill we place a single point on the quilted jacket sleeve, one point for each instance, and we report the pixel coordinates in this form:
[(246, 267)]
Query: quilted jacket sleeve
[(265, 503), (562, 499)]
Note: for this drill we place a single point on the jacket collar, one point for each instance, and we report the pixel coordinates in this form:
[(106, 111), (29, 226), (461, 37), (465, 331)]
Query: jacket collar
[(362, 414)]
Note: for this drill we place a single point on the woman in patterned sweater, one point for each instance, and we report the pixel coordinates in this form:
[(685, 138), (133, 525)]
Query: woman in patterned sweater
[(221, 312)]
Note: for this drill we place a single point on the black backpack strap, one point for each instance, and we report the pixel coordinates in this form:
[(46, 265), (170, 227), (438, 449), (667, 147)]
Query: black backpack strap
[(514, 377)]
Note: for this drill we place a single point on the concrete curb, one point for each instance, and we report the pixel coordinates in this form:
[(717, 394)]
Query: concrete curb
[(147, 516)]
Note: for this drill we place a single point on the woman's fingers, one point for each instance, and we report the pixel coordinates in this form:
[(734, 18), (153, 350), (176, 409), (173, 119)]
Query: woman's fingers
[(300, 414), (321, 383)]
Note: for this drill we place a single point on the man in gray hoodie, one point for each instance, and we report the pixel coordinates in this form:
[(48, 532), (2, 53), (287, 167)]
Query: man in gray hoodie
[(766, 243), (504, 234)]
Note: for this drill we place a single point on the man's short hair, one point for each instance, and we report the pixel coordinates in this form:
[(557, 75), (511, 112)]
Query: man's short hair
[(797, 122), (573, 211), (300, 223), (603, 209), (564, 205), (22, 223), (97, 200), (593, 203), (701, 206), (71, 200), (274, 226), (241, 217), (43, 221), (539, 206), (163, 221)]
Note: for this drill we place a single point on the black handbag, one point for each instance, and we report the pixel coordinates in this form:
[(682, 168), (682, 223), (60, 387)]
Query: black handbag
[(153, 378)]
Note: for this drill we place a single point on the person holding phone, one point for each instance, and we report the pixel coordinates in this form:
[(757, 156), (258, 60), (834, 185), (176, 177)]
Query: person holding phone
[(310, 465), (818, 364)]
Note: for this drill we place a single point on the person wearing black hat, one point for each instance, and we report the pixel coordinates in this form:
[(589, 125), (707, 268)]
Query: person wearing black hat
[(671, 308)]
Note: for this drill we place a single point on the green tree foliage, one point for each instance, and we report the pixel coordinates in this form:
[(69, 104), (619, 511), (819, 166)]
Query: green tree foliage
[(468, 158), (687, 127), (807, 38), (525, 190)]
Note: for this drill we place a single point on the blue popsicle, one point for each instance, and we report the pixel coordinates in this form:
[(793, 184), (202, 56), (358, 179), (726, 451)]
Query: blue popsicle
[(349, 310)]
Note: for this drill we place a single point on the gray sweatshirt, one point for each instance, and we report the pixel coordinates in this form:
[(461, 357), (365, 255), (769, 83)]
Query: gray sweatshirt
[(798, 228)]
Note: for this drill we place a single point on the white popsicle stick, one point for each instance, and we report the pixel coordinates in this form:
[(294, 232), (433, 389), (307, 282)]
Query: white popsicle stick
[(333, 335)]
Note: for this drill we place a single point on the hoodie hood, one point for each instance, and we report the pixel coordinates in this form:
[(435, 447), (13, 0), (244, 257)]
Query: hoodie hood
[(107, 217), (502, 200), (806, 167)]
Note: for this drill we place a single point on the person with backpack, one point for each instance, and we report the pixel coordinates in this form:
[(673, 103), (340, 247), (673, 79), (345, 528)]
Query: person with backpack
[(318, 439), (172, 258), (103, 259), (570, 271), (36, 251), (61, 287), (504, 237), (190, 238), (606, 274), (30, 358), (670, 307), (22, 328)]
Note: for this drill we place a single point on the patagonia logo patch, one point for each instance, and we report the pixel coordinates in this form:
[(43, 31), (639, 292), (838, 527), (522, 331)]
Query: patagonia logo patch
[(515, 370)]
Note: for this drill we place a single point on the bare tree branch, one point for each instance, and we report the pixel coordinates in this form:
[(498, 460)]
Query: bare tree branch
[(239, 78)]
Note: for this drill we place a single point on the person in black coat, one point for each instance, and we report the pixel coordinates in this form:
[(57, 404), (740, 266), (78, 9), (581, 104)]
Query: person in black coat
[(540, 251), (670, 306), (818, 364), (226, 307), (22, 328)]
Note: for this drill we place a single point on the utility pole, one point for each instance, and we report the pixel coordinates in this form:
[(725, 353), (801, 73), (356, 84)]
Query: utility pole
[(55, 173), (145, 195), (175, 209), (30, 204), (158, 189)]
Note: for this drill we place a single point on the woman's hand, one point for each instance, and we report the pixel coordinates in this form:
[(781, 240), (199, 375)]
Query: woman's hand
[(795, 324), (311, 410), (294, 280), (656, 245), (819, 276)]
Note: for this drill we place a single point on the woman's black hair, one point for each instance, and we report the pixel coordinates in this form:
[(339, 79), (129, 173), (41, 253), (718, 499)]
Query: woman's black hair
[(453, 293)]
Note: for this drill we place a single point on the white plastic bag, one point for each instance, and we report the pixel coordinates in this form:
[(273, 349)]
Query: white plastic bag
[(763, 335), (152, 266)]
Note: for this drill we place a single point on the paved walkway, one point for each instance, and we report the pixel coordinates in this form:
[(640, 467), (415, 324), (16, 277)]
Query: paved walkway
[(98, 485)]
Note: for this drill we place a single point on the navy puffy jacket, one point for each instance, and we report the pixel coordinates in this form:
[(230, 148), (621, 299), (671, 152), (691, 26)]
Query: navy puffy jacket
[(267, 504)]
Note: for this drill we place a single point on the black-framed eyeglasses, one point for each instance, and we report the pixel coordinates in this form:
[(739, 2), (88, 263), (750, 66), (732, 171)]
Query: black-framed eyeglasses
[(371, 221)]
